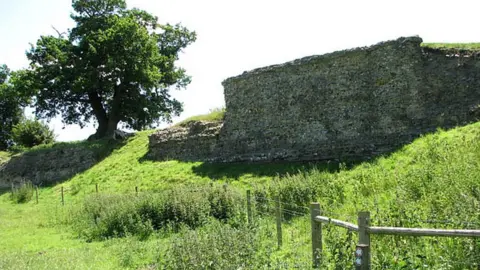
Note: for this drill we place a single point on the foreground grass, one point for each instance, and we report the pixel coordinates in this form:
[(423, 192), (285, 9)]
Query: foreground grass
[(40, 236), (434, 178)]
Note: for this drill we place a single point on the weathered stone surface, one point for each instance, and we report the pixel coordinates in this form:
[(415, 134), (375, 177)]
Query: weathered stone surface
[(195, 141), (349, 104), (48, 166)]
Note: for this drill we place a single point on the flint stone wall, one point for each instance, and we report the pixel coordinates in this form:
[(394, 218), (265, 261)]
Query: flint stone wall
[(47, 166), (349, 104), (195, 141)]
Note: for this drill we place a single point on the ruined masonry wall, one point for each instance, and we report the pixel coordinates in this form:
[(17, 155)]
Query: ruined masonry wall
[(349, 104)]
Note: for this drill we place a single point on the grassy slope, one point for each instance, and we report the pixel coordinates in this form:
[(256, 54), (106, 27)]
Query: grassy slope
[(38, 232), (432, 172)]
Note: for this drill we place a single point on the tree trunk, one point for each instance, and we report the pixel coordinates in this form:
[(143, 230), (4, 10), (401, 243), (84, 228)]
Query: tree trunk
[(105, 129), (100, 114), (102, 130), (107, 124), (112, 125)]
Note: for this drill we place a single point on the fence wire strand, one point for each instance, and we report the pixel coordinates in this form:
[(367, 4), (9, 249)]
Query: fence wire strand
[(339, 244)]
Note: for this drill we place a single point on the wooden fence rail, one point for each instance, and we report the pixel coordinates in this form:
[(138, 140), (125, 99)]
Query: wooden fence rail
[(364, 230)]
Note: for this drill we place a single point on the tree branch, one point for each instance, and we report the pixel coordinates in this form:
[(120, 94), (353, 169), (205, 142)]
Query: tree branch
[(60, 35)]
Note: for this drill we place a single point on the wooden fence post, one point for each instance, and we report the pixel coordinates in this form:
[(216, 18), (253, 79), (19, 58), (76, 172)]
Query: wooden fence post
[(316, 234), (63, 201), (36, 193), (249, 208), (362, 252), (13, 188), (96, 188), (279, 222)]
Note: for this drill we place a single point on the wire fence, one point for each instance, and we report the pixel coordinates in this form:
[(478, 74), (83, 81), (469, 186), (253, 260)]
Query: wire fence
[(289, 226), (287, 236), (388, 251)]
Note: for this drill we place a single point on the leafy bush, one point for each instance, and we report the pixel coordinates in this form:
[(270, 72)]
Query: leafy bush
[(32, 132), (225, 204), (295, 192), (174, 208), (216, 246), (105, 216), (109, 215), (22, 194)]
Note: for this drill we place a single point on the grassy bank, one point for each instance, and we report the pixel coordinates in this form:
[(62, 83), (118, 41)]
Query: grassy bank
[(432, 182)]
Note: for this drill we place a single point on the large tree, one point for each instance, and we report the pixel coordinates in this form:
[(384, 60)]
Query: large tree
[(116, 65), (11, 104)]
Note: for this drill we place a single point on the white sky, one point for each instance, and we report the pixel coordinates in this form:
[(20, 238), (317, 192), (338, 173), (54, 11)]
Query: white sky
[(235, 36)]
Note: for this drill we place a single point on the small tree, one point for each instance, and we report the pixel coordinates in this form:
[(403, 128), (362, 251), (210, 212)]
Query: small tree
[(30, 133)]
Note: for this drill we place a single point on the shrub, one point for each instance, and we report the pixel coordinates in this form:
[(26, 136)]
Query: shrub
[(22, 194), (105, 216), (295, 192), (176, 207), (216, 246), (30, 133), (225, 204)]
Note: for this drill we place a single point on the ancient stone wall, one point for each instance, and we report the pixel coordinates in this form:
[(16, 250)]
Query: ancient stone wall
[(195, 141), (46, 166), (349, 104)]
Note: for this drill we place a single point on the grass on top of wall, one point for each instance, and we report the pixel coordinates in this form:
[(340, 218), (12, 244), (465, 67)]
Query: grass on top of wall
[(465, 46), (215, 115), (4, 156)]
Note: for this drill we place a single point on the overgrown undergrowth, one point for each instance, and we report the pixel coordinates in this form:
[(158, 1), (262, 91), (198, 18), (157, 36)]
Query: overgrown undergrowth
[(107, 216)]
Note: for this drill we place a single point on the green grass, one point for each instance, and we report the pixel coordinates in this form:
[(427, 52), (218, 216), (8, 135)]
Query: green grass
[(434, 178), (215, 115), (4, 156), (463, 46)]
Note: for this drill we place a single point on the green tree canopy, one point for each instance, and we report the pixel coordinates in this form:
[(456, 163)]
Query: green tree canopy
[(31, 132), (116, 65), (11, 105)]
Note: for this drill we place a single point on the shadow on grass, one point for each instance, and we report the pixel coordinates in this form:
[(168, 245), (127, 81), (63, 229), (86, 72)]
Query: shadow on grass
[(236, 170), (48, 165), (347, 157)]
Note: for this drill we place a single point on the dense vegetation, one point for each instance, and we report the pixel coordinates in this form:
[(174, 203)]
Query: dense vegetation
[(179, 219), (15, 129), (30, 133)]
